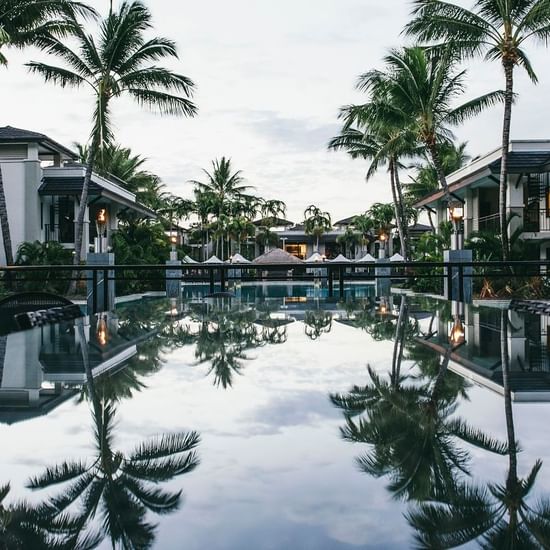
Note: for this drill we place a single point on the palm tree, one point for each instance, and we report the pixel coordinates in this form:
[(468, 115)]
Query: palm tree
[(424, 86), (240, 229), (364, 225), (498, 31), (316, 223), (349, 239), (205, 202), (223, 185), (23, 23), (500, 514), (118, 63), (317, 322)]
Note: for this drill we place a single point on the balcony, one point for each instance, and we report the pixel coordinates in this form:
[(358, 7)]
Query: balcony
[(536, 220), (489, 223), (63, 233)]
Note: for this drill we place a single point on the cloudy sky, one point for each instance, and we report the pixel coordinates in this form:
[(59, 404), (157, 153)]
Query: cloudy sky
[(270, 78)]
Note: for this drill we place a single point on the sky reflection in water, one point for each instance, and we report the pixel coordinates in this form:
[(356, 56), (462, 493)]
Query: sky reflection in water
[(291, 454)]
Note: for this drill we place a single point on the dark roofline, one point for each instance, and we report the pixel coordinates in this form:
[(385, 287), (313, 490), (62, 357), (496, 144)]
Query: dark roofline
[(9, 134)]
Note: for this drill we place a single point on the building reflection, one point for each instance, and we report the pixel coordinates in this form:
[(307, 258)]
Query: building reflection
[(472, 337), (42, 368)]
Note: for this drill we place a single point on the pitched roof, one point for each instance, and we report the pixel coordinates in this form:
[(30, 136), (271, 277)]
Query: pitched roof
[(277, 256), (346, 221), (9, 134)]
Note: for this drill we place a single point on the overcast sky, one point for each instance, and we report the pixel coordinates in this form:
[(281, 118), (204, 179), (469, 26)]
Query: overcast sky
[(270, 78)]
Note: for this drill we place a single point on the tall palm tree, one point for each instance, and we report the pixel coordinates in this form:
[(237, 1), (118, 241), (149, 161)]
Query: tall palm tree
[(119, 62), (23, 23), (316, 223), (424, 86), (380, 134), (498, 31)]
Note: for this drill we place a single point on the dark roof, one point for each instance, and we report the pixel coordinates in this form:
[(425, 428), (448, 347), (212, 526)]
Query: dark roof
[(9, 134), (520, 162), (73, 186), (420, 227), (346, 221), (273, 221)]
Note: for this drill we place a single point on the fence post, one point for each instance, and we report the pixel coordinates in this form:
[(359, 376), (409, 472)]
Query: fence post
[(104, 286), (211, 275), (222, 278), (458, 277), (341, 281), (330, 282)]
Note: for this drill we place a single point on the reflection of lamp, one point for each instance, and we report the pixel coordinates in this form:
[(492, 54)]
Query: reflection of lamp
[(101, 224), (457, 335), (383, 308), (102, 333)]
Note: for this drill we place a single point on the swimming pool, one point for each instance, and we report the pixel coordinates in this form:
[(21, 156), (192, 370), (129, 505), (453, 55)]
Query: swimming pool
[(285, 422)]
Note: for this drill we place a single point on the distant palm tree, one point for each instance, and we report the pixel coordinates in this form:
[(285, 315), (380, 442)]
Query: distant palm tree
[(118, 63), (349, 240), (498, 31), (317, 322), (316, 223), (24, 23)]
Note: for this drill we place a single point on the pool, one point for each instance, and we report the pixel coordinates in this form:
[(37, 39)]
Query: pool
[(279, 419)]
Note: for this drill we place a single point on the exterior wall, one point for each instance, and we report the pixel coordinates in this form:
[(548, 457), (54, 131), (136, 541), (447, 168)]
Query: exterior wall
[(21, 180)]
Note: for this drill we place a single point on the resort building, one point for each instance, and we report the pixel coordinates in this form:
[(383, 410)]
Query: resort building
[(43, 183), (528, 195)]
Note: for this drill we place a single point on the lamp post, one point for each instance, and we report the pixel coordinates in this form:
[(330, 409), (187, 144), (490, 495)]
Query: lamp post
[(101, 225), (383, 238), (456, 213)]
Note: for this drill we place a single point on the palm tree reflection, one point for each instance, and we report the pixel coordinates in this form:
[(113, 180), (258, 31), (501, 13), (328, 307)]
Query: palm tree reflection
[(500, 515), (317, 322), (409, 424), (117, 489)]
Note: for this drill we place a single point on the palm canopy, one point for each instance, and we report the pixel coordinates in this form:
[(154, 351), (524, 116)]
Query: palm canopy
[(498, 30), (222, 183), (24, 22), (119, 62), (424, 86), (316, 222)]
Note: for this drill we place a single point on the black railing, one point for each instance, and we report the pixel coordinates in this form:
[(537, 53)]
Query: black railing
[(63, 233), (536, 220), (489, 223)]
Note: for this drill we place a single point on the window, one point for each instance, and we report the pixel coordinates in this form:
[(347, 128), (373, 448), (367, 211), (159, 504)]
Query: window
[(298, 250)]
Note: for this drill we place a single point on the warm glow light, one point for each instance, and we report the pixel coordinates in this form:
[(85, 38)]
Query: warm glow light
[(102, 333), (173, 239), (456, 211), (102, 216), (383, 237), (458, 334)]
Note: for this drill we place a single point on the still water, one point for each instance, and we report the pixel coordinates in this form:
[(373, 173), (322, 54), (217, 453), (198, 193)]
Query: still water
[(271, 422)]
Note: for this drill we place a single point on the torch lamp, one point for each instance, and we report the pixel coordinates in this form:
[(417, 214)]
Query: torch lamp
[(456, 213), (101, 225)]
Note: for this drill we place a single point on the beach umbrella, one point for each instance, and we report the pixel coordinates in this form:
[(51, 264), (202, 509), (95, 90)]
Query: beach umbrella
[(367, 258), (340, 258), (213, 260), (238, 259), (189, 260), (397, 258), (315, 257)]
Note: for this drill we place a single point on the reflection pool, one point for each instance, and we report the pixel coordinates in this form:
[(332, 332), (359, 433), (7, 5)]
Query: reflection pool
[(278, 418)]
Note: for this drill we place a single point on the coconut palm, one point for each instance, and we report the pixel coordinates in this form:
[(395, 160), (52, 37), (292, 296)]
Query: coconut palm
[(23, 23), (498, 31), (500, 514), (316, 223), (205, 202), (349, 240), (120, 62), (317, 322), (424, 86), (240, 229)]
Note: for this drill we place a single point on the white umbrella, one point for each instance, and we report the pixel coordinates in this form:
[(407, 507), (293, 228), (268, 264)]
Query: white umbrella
[(367, 258), (340, 258), (213, 260), (397, 258), (314, 258), (238, 259), (189, 260)]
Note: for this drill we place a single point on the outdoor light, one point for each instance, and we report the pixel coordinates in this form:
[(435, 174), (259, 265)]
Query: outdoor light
[(457, 336), (101, 332), (174, 239), (382, 237), (456, 211), (101, 223)]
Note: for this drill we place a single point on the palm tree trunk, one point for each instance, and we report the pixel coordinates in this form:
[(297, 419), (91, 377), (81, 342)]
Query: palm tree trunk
[(398, 345), (4, 223), (510, 430), (82, 209), (397, 209), (436, 160), (405, 223), (431, 220), (503, 182)]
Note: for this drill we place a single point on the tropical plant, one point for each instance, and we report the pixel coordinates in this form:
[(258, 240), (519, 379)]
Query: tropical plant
[(349, 239), (118, 63), (24, 23), (316, 323), (316, 223), (498, 31)]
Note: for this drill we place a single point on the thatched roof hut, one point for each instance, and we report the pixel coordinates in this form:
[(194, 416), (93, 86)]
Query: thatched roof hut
[(277, 256)]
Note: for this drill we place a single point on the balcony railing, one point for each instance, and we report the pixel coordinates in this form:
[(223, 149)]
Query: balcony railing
[(489, 223), (536, 219), (63, 233)]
